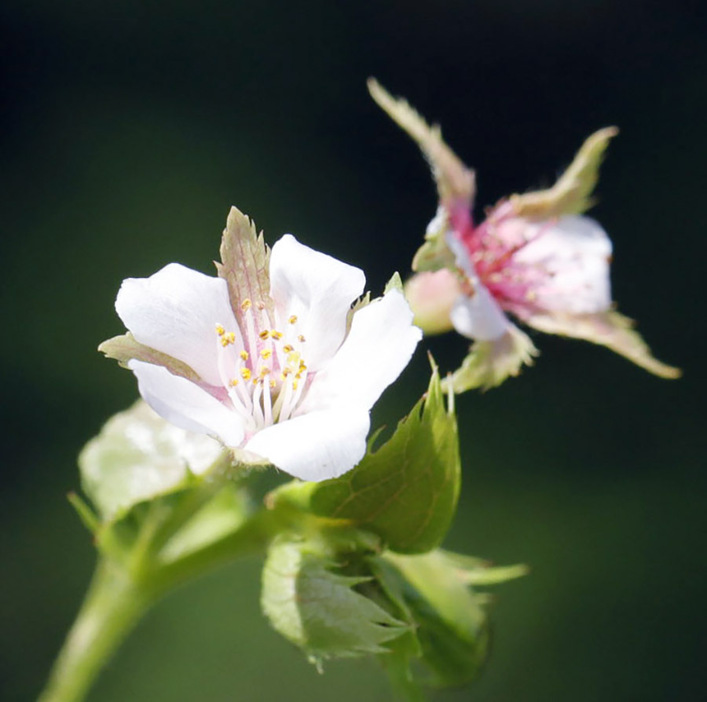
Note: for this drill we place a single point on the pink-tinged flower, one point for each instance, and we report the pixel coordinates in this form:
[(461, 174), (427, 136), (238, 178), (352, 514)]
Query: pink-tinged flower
[(535, 256), (269, 357)]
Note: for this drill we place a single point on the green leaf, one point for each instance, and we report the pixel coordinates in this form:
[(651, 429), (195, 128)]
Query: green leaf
[(571, 193), (245, 265), (138, 456), (407, 490), (125, 348), (489, 363), (610, 329), (312, 603), (223, 515), (450, 622)]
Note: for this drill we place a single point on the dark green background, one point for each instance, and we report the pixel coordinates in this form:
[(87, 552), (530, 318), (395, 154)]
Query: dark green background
[(127, 130)]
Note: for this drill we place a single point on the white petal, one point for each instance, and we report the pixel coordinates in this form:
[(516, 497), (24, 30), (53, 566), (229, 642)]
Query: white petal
[(479, 316), (176, 311), (379, 345), (318, 290), (315, 446), (575, 254), (186, 405)]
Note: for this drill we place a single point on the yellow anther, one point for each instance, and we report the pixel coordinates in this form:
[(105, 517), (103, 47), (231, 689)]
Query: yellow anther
[(293, 357), (293, 319), (275, 334), (294, 385), (245, 373), (272, 383), (228, 338), (244, 355), (220, 330), (233, 382), (288, 348), (246, 304), (266, 353), (285, 372), (302, 367), (264, 334), (264, 370), (301, 339)]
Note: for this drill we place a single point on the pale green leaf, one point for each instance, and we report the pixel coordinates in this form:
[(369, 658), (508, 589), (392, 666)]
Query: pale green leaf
[(407, 490)]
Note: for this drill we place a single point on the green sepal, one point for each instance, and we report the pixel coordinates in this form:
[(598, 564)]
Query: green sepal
[(611, 329), (87, 516), (245, 265), (395, 283), (312, 598), (125, 348), (139, 456), (451, 624), (571, 194), (407, 490), (489, 363), (455, 182)]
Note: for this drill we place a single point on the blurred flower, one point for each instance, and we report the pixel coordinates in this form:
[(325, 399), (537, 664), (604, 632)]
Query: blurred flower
[(269, 357), (534, 256)]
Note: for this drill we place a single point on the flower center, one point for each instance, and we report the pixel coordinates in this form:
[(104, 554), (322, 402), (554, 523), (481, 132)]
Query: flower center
[(262, 367)]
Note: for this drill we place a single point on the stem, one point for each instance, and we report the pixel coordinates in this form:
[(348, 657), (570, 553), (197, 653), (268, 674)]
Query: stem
[(113, 605)]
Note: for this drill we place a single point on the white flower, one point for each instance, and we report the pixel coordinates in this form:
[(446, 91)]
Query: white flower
[(287, 373)]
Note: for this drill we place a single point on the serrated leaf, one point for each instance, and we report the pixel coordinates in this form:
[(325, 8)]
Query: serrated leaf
[(317, 608), (138, 456), (489, 363), (571, 193), (407, 490), (125, 348), (610, 329), (245, 265)]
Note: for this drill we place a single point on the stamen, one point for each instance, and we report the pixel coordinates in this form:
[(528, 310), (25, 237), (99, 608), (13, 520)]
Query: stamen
[(244, 355), (264, 334), (301, 339), (275, 334), (220, 330), (228, 338), (266, 353), (245, 373), (288, 348), (293, 319), (246, 304), (233, 382)]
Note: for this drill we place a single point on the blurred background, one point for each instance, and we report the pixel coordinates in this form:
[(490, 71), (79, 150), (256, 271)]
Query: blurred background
[(127, 130)]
